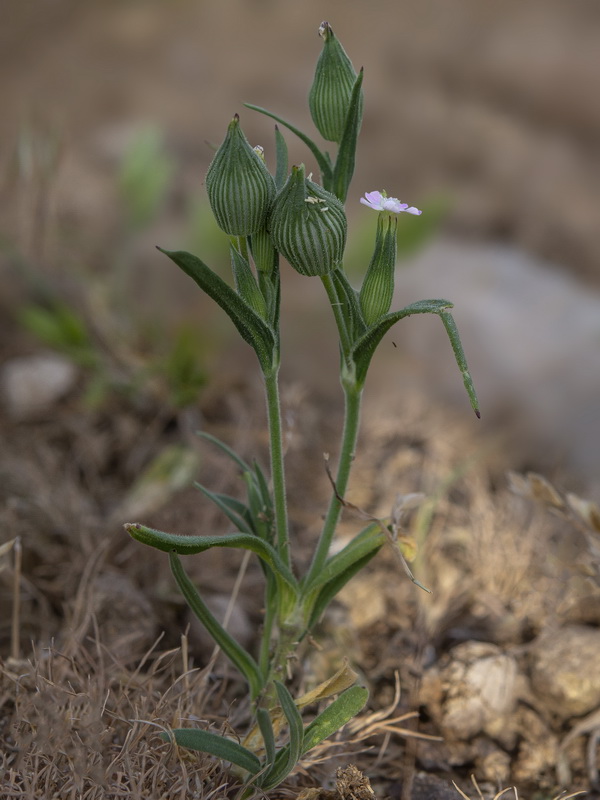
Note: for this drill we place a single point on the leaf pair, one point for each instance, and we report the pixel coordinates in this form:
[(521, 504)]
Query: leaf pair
[(277, 764)]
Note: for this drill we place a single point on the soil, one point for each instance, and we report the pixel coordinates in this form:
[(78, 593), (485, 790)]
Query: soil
[(494, 675)]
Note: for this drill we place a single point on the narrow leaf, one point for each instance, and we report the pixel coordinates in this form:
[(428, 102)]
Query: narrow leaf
[(335, 585), (334, 717), (260, 514), (369, 539), (235, 511), (459, 354), (321, 158), (350, 305), (215, 745), (266, 729), (226, 449), (365, 347), (281, 150), (251, 327), (246, 284), (290, 755), (242, 660), (344, 163), (263, 485), (189, 545)]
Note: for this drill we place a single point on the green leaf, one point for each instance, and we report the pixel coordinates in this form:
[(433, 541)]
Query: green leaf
[(246, 284), (288, 757), (334, 717), (266, 728), (369, 539), (251, 327), (281, 150), (459, 354), (336, 584), (189, 545), (235, 511), (263, 485), (270, 288), (215, 745), (365, 347), (261, 513), (322, 158), (242, 660), (350, 305), (225, 448), (344, 163)]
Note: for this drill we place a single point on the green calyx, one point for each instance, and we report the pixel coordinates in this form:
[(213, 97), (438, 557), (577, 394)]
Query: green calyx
[(378, 286), (240, 187), (329, 97), (308, 225)]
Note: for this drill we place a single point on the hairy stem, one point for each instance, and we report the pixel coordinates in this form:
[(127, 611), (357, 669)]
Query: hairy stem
[(277, 467), (338, 313), (352, 397)]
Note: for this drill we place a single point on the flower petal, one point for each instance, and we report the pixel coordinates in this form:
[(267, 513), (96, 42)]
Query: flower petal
[(379, 201)]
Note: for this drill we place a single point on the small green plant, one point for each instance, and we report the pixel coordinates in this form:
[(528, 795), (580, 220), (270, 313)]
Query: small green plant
[(291, 215)]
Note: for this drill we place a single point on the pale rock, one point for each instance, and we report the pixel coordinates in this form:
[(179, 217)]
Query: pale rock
[(31, 385), (564, 670)]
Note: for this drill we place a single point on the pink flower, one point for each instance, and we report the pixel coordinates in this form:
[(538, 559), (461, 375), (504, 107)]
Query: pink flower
[(379, 201)]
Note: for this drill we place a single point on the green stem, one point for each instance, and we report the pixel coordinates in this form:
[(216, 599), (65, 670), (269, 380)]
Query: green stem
[(338, 313), (352, 397), (267, 631), (277, 468)]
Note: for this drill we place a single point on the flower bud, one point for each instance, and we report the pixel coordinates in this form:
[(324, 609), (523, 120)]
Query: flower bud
[(378, 286), (329, 97), (308, 225), (240, 187)]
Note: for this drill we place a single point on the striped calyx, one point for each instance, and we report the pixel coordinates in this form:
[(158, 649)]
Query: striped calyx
[(329, 97), (378, 286), (240, 187), (308, 225)]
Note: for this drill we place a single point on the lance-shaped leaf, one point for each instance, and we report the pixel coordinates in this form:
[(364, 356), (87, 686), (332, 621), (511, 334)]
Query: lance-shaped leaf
[(242, 660), (215, 745), (226, 449), (344, 163), (365, 347), (321, 158), (350, 304), (268, 735), (246, 284), (235, 511), (459, 354), (334, 717), (369, 539), (261, 512), (326, 594), (288, 757), (270, 287), (189, 545), (251, 327)]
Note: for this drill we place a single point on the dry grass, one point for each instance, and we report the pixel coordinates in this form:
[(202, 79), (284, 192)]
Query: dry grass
[(81, 712)]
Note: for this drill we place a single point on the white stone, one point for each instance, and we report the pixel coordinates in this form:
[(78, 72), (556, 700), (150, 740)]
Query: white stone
[(30, 385)]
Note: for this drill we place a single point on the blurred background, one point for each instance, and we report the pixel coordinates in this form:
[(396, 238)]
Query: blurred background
[(486, 115)]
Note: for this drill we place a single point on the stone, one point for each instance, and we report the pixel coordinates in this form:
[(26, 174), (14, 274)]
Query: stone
[(31, 385), (564, 670)]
